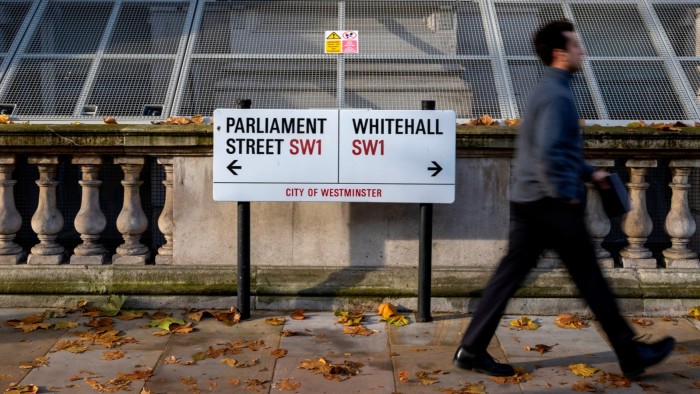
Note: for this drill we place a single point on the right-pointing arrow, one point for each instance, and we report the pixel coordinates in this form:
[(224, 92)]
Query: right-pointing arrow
[(436, 168)]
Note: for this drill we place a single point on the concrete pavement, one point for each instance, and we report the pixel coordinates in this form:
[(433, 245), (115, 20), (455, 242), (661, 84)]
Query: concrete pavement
[(246, 357)]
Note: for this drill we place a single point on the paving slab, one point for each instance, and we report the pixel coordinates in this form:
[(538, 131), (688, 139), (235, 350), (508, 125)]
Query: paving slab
[(676, 374), (64, 365), (18, 347), (376, 374), (320, 335), (437, 361), (550, 370), (444, 330), (253, 364)]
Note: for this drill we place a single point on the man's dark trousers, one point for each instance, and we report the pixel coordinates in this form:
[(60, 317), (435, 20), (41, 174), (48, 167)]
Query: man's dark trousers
[(555, 224)]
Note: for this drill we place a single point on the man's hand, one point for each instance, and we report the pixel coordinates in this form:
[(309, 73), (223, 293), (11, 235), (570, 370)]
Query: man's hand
[(598, 177)]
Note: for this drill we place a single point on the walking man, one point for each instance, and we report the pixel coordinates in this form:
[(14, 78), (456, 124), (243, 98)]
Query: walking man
[(547, 211)]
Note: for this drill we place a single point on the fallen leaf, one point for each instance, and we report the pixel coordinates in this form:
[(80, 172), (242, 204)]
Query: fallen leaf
[(570, 321), (278, 353), (403, 377), (584, 387), (28, 389), (512, 122), (524, 323), (228, 361), (694, 360), (518, 377), (70, 346), (425, 379), (164, 324), (540, 348), (583, 370), (229, 317), (38, 362), (64, 325), (198, 119), (386, 310), (358, 330), (5, 119), (187, 328), (614, 380), (349, 318), (694, 312), (254, 385), (643, 322), (275, 321), (113, 355), (114, 302), (248, 364), (109, 120), (288, 384), (467, 388), (332, 371), (298, 315)]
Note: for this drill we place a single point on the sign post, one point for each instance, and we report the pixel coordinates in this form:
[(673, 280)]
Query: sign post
[(333, 155)]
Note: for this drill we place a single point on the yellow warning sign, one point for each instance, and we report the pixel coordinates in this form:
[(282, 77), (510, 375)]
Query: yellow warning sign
[(333, 36), (333, 46)]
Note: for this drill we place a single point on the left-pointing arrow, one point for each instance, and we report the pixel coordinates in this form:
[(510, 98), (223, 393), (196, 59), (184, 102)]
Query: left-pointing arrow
[(233, 167)]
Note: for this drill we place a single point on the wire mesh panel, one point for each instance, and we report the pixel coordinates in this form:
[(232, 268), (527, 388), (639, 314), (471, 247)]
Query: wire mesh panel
[(613, 30), (126, 86), (44, 87), (273, 53), (526, 73), (417, 28), (127, 56), (680, 22), (637, 90), (519, 21), (269, 83), (12, 16)]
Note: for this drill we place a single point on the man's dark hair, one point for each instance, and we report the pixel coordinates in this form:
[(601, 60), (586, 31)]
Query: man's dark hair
[(550, 37)]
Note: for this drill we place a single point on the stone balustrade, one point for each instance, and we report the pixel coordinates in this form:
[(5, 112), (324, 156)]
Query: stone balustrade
[(328, 245)]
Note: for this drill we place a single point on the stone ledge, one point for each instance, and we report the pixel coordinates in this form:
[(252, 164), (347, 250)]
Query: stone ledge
[(273, 281)]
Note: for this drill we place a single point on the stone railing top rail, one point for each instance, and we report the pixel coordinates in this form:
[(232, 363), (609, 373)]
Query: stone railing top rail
[(197, 139)]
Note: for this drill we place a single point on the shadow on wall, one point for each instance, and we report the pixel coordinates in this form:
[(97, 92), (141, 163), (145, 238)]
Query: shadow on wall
[(386, 234)]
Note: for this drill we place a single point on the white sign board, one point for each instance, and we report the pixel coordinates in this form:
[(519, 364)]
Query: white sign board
[(334, 155)]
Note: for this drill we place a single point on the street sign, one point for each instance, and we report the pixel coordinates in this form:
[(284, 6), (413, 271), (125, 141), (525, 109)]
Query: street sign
[(334, 155)]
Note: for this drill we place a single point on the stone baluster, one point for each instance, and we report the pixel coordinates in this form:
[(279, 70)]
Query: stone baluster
[(131, 221), (47, 221), (165, 220), (90, 221), (10, 219), (637, 224), (596, 219), (549, 259), (680, 225)]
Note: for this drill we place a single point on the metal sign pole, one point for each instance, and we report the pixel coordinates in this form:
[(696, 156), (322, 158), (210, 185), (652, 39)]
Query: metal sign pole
[(425, 250), (243, 285)]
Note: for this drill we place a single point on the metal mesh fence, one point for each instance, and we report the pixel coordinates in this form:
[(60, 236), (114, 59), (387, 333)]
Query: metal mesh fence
[(140, 59)]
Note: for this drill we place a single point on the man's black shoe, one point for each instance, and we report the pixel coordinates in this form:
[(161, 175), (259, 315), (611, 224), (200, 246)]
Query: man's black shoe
[(481, 362), (641, 355)]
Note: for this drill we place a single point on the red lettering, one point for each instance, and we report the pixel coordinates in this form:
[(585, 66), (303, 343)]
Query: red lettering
[(305, 147), (368, 147)]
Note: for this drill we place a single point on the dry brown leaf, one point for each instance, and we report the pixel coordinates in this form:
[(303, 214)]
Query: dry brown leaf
[(234, 382), (76, 346), (28, 389), (643, 322), (298, 315), (254, 385), (198, 119), (188, 380), (38, 362), (113, 355), (583, 387), (288, 384), (358, 330), (109, 120), (520, 376), (570, 321), (512, 122), (278, 353), (228, 361), (187, 328), (425, 379), (485, 120), (404, 377), (614, 380), (275, 321), (386, 310), (540, 348), (249, 364), (694, 360)]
